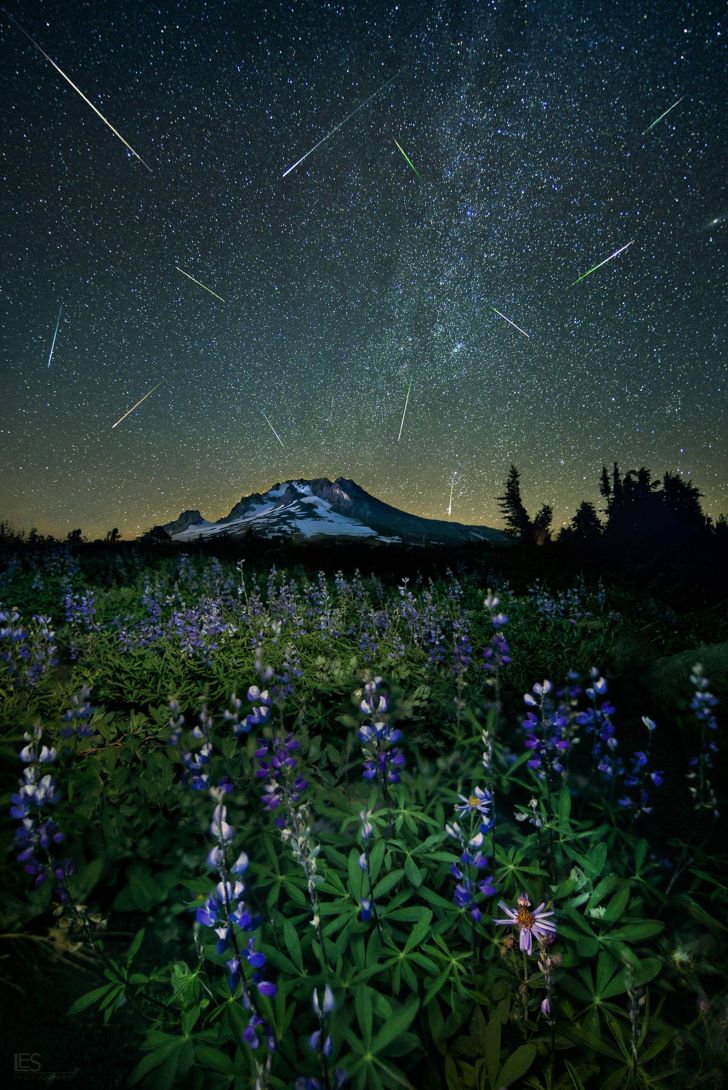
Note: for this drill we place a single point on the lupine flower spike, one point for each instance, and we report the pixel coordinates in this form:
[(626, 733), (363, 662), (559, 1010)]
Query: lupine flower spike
[(382, 759), (468, 871)]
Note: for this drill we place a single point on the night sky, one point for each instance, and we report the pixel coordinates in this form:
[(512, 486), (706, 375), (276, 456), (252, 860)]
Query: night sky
[(354, 274)]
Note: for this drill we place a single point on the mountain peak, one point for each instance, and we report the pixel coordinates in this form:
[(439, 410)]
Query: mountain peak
[(316, 509)]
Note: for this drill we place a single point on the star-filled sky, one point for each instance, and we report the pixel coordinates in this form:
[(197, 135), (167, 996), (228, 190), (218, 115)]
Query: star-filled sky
[(527, 155)]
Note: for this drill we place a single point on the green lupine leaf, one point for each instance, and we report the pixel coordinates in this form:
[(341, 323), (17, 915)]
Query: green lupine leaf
[(397, 1024), (454, 1082), (435, 986), (593, 1042), (617, 905), (89, 998), (516, 1065), (293, 944), (708, 919), (387, 883), (214, 1059), (135, 946), (646, 970), (376, 858), (419, 932), (363, 1006), (156, 1058), (413, 872), (633, 932)]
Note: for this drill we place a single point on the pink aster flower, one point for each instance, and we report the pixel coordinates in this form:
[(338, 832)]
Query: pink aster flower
[(529, 923)]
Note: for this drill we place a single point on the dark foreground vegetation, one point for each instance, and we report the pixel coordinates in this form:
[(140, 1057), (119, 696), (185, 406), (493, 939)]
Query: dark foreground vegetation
[(295, 819)]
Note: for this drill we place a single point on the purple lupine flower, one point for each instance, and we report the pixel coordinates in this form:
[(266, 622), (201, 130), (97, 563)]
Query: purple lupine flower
[(282, 795), (196, 764), (175, 723), (290, 672), (382, 759), (497, 654), (531, 924), (80, 609), (27, 650), (638, 780), (597, 721), (37, 835), (277, 765), (304, 1082), (702, 705), (468, 870), (226, 913), (546, 733), (78, 715), (321, 1040), (462, 649), (259, 713)]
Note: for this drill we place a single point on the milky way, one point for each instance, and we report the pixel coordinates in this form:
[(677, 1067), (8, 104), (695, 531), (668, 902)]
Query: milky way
[(355, 277)]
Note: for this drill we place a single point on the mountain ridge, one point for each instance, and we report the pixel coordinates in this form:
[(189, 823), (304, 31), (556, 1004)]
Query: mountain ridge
[(317, 509)]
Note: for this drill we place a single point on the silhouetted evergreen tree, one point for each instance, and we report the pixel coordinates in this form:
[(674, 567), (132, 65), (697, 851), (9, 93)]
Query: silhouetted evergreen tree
[(541, 528), (648, 513), (617, 489), (605, 488), (585, 527), (682, 499), (513, 509)]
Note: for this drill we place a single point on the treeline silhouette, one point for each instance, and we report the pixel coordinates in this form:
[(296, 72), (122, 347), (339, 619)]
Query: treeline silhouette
[(644, 520)]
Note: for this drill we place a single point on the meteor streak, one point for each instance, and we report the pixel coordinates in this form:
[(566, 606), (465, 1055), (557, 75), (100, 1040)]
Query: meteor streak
[(406, 402), (408, 159), (272, 428), (606, 259), (449, 506), (523, 331), (200, 284), (131, 410), (337, 127), (55, 334), (667, 111), (80, 92)]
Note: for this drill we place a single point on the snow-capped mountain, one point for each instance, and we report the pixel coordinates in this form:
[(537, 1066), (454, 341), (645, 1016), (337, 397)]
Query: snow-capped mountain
[(322, 509)]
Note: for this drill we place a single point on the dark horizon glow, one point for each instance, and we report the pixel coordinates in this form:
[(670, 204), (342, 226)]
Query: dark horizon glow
[(354, 286)]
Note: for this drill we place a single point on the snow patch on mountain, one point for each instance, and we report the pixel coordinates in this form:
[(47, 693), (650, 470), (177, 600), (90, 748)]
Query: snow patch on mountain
[(320, 508)]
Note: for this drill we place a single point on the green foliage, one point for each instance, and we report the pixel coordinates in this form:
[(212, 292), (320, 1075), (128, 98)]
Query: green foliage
[(426, 996)]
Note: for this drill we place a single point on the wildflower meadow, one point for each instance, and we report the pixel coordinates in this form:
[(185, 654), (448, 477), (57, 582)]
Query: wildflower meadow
[(293, 829)]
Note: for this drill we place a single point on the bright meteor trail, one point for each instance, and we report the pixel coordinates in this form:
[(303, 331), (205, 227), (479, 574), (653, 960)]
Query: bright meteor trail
[(80, 92), (606, 259), (406, 402), (657, 119), (408, 159), (55, 334), (272, 428), (452, 489), (523, 331), (200, 284), (131, 410), (337, 127)]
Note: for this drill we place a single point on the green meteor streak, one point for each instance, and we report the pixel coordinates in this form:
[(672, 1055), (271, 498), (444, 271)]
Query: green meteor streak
[(657, 119), (408, 159), (606, 259)]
